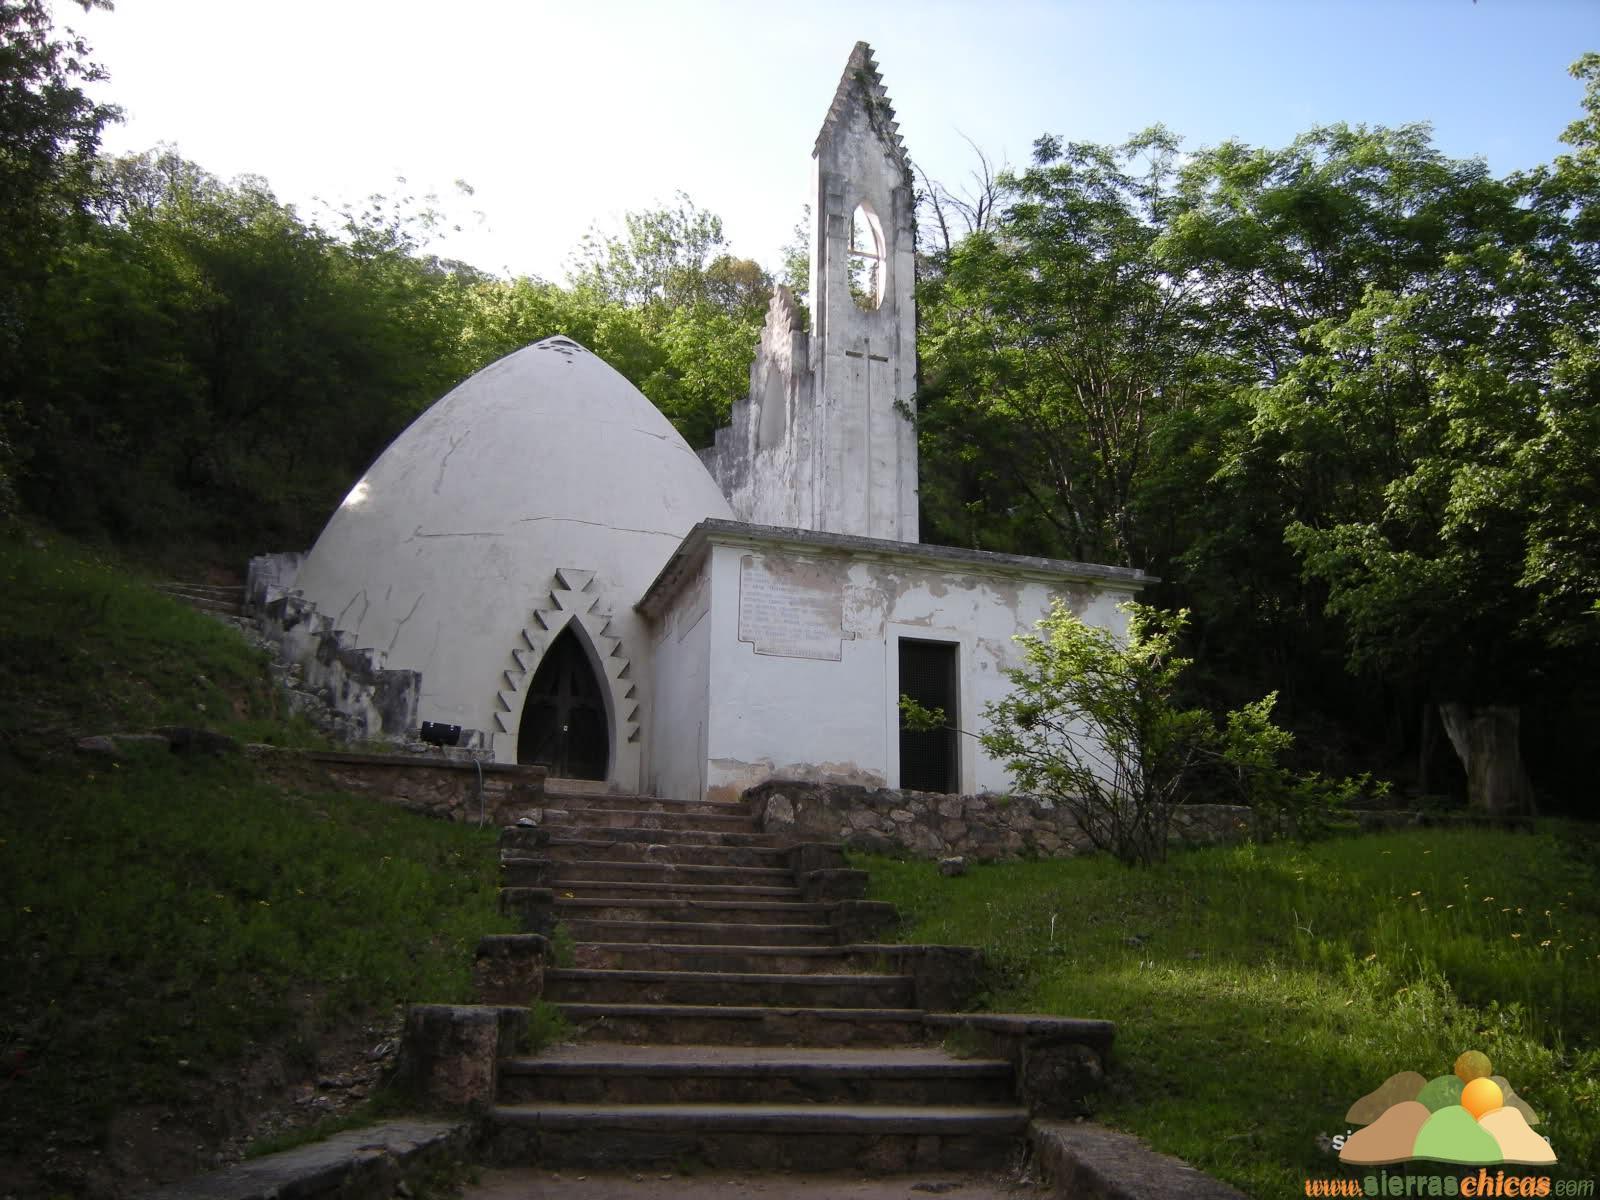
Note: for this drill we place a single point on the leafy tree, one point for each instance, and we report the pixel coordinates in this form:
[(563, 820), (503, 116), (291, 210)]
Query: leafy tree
[(1095, 724), (49, 131), (206, 364), (796, 259), (1473, 572), (668, 256), (1059, 335), (1417, 330), (693, 315)]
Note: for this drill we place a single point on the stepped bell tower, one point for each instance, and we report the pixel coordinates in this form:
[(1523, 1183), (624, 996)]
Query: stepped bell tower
[(825, 439)]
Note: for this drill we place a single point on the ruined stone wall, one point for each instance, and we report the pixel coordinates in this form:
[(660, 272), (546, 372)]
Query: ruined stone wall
[(933, 825), (348, 692)]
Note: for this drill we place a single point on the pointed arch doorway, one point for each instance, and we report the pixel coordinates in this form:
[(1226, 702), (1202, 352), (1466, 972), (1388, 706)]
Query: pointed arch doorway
[(564, 724)]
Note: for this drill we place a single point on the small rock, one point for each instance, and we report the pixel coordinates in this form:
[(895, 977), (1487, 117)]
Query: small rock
[(381, 1051), (953, 866), (938, 1189), (1135, 940), (402, 1188), (99, 744)]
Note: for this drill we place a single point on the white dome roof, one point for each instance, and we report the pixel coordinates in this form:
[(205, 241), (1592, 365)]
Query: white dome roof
[(442, 552)]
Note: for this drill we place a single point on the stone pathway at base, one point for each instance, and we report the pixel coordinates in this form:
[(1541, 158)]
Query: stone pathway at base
[(535, 1184)]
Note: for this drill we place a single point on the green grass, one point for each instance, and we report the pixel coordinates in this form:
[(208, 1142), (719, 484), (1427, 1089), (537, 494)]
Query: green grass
[(547, 1026), (87, 646), (1259, 990), (163, 916)]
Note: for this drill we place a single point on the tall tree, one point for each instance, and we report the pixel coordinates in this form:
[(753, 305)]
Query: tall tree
[(698, 309), (49, 131), (1054, 341)]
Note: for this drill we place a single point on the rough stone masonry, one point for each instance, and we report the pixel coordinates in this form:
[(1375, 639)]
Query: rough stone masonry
[(935, 825)]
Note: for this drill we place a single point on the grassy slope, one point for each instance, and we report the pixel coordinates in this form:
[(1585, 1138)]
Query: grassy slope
[(1259, 991), (160, 914)]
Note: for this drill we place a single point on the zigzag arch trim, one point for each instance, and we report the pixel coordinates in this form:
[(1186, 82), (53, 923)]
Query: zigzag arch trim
[(573, 597)]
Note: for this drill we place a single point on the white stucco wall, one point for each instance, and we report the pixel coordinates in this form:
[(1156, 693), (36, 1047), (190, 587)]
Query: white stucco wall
[(680, 710), (546, 489), (790, 700)]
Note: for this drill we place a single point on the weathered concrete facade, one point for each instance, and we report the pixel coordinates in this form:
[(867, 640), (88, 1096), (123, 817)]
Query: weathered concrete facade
[(776, 650), (825, 438)]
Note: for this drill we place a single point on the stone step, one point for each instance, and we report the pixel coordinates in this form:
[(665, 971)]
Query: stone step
[(598, 871), (617, 890), (865, 1137), (663, 837), (558, 815), (700, 933), (226, 608), (739, 912), (753, 960), (596, 802), (567, 849), (570, 878), (814, 990), (211, 591), (753, 1025), (621, 1074)]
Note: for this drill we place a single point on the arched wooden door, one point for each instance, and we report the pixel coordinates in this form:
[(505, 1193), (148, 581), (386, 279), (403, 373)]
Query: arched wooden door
[(564, 726)]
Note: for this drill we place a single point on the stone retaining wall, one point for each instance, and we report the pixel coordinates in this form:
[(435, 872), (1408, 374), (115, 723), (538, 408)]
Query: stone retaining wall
[(934, 825), (449, 788)]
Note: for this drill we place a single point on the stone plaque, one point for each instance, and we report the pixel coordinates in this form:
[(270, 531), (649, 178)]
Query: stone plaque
[(792, 609)]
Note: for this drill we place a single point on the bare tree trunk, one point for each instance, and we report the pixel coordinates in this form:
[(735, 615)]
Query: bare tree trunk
[(1486, 741)]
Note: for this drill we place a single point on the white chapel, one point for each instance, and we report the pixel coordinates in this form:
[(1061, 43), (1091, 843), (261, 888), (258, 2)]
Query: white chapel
[(543, 567)]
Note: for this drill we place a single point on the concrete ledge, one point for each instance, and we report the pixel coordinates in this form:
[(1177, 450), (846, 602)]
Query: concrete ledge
[(533, 908), (450, 1053), (944, 978), (861, 920), (359, 1164), (1060, 1062), (1098, 1034), (1089, 1162), (508, 968)]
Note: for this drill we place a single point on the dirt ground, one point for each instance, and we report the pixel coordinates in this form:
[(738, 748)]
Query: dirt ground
[(539, 1184)]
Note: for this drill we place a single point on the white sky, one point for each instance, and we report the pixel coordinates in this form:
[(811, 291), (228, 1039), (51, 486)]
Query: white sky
[(562, 115)]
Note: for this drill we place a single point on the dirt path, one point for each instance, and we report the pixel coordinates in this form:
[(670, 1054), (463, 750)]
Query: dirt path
[(539, 1184)]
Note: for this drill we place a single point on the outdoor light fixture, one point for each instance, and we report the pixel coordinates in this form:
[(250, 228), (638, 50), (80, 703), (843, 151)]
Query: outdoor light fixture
[(437, 733)]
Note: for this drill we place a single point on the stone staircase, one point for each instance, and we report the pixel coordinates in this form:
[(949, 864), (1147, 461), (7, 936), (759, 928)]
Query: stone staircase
[(730, 1008), (224, 601)]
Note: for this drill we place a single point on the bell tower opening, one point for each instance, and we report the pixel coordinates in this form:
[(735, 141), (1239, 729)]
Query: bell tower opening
[(564, 725), (867, 259)]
